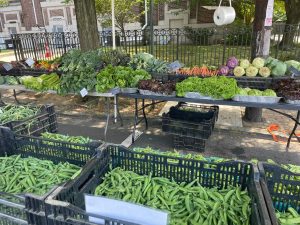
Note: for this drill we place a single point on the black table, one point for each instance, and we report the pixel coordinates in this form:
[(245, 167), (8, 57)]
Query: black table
[(158, 99)]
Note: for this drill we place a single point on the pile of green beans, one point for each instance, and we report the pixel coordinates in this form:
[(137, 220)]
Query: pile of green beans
[(187, 203), (290, 217), (177, 154), (32, 175), (10, 113), (66, 138)]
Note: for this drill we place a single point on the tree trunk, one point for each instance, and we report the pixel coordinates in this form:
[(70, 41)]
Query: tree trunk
[(87, 24), (293, 19), (260, 47)]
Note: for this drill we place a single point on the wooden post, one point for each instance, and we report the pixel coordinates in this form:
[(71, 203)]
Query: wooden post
[(260, 44)]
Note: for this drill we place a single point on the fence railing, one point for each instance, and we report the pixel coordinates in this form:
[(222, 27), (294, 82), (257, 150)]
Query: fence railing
[(190, 46)]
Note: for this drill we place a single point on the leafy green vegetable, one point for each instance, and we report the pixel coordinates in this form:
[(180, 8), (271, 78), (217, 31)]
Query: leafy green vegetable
[(147, 62), (216, 87), (269, 92), (119, 76)]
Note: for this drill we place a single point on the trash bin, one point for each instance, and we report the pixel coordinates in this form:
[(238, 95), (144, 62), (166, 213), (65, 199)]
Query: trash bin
[(9, 44)]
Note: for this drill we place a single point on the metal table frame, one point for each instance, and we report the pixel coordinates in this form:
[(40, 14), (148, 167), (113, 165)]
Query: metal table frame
[(158, 99), (107, 96)]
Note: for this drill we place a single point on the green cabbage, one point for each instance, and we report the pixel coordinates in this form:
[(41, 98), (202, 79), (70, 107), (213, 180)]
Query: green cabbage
[(279, 69), (258, 62), (244, 63), (255, 92), (251, 71), (269, 92), (238, 71), (264, 71), (243, 91)]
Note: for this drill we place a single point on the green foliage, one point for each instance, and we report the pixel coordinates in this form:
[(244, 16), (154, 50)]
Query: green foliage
[(124, 12), (3, 3)]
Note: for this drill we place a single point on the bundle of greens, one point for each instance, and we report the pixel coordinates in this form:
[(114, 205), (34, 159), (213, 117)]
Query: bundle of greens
[(119, 76), (147, 62), (216, 87), (42, 83), (79, 71)]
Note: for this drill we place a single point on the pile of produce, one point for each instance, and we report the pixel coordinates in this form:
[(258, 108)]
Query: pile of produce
[(155, 86), (179, 155), (42, 83), (289, 217), (216, 87), (258, 67), (32, 175), (49, 65), (204, 71), (9, 80), (66, 138), (119, 76), (187, 203), (10, 113), (288, 88), (149, 63), (255, 92), (79, 71)]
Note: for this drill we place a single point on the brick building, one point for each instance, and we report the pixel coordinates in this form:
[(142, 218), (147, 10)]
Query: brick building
[(23, 16)]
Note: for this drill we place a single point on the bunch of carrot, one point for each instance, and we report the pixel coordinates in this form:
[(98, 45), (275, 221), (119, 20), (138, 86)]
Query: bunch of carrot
[(198, 71)]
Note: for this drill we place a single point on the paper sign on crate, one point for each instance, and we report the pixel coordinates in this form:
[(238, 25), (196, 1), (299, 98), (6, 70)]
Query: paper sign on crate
[(124, 211)]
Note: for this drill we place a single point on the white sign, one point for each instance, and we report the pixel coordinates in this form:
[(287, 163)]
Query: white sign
[(84, 92), (7, 66), (29, 62), (124, 211), (269, 13)]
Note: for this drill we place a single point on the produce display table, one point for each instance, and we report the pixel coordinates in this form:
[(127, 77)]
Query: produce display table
[(107, 96), (157, 99)]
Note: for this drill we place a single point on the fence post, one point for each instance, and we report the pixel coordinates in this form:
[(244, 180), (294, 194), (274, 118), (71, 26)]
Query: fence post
[(135, 38), (224, 47), (64, 42), (177, 44), (34, 47), (13, 38)]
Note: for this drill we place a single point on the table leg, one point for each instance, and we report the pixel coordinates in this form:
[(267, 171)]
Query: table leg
[(118, 111), (293, 131), (136, 117), (144, 113), (15, 96), (115, 109), (107, 100)]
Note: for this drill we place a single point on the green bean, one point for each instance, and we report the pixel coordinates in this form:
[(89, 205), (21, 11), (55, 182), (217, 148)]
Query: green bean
[(31, 175), (187, 203)]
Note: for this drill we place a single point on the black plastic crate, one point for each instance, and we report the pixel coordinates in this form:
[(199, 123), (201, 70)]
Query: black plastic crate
[(33, 72), (29, 208), (65, 206), (190, 121), (188, 143), (46, 120), (12, 72), (281, 189)]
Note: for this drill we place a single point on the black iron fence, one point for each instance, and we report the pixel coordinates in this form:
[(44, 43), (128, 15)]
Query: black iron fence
[(188, 45)]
